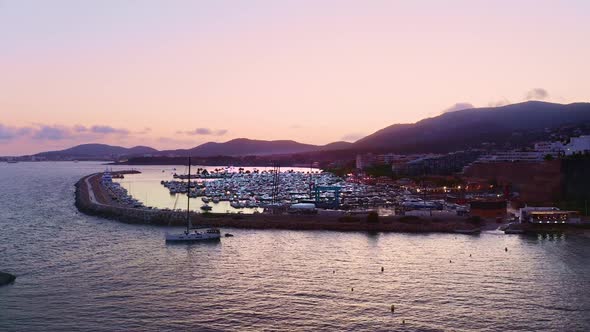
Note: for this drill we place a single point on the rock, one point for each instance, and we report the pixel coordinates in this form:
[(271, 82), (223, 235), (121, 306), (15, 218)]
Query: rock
[(6, 278)]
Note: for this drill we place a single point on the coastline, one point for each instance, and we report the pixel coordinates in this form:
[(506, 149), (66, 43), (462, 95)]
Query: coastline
[(92, 200)]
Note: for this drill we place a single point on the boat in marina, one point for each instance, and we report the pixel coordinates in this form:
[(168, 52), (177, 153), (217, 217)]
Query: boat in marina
[(193, 234)]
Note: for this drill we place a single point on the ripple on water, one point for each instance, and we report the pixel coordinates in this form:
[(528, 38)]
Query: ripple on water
[(79, 273)]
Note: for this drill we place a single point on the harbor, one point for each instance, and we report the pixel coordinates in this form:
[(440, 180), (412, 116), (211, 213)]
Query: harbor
[(101, 194)]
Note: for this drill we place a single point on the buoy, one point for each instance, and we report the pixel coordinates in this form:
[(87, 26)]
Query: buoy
[(450, 261), (382, 269), (352, 289), (403, 321), (392, 308), (506, 249), (333, 272), (469, 255)]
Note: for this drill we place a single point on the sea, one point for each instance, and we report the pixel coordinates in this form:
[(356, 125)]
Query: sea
[(82, 273)]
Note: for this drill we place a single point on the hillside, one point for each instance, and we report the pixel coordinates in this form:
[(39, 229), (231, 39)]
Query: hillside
[(96, 151), (236, 147), (511, 125), (471, 127)]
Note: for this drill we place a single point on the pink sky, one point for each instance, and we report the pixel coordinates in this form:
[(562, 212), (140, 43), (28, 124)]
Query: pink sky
[(175, 74)]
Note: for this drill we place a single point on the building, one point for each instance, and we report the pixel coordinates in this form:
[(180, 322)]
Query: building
[(550, 147), (548, 215), (433, 164), (364, 161), (488, 209), (511, 156), (578, 145)]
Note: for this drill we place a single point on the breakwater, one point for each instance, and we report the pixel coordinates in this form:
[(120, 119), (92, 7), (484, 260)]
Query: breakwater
[(91, 198)]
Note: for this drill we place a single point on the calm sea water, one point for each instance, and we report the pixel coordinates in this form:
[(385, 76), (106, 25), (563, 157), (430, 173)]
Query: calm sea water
[(147, 188), (81, 273)]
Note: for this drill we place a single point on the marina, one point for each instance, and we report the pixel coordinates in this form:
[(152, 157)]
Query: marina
[(253, 190), (100, 194)]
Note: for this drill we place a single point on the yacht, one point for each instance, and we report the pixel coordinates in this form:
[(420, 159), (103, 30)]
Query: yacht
[(191, 234)]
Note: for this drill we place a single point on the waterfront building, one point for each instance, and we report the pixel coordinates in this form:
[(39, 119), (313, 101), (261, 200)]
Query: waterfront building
[(548, 215), (488, 208)]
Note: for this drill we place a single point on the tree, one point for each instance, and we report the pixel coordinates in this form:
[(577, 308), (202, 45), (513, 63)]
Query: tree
[(548, 157)]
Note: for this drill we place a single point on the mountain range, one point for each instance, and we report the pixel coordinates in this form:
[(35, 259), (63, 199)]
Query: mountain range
[(447, 132), (470, 128)]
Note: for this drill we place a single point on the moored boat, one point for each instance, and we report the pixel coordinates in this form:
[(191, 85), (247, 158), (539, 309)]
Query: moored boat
[(191, 234)]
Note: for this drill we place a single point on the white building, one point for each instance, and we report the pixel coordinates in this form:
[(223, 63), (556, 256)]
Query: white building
[(548, 215), (512, 156), (549, 147), (578, 145)]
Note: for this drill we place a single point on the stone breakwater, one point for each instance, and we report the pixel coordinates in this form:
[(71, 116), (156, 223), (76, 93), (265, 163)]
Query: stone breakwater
[(92, 199)]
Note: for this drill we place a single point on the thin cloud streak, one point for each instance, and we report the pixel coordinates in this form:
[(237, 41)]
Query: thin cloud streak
[(206, 132), (352, 137), (458, 107), (58, 132)]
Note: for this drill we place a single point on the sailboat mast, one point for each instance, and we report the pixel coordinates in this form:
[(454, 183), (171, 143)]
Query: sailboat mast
[(188, 197)]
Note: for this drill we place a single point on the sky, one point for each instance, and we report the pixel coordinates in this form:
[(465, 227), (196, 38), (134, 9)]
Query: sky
[(175, 74)]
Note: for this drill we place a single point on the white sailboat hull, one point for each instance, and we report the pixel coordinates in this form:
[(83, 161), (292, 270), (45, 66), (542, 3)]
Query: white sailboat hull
[(192, 237)]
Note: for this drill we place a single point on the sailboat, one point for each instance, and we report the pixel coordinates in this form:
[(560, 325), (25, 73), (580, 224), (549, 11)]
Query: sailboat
[(190, 234)]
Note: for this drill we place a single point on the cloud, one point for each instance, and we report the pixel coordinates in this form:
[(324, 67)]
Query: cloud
[(108, 130), (80, 128), (352, 137), (498, 103), (40, 131), (7, 133), (52, 133), (145, 130), (457, 107), (207, 132), (537, 94)]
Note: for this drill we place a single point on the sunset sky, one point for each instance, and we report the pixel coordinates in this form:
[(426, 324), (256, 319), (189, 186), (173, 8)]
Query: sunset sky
[(174, 74)]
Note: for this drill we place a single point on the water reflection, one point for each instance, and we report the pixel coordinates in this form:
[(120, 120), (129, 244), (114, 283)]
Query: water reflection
[(146, 188)]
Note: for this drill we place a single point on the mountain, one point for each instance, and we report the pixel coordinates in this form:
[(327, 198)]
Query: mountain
[(516, 124), (340, 145), (244, 146), (471, 127), (96, 151), (236, 147)]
